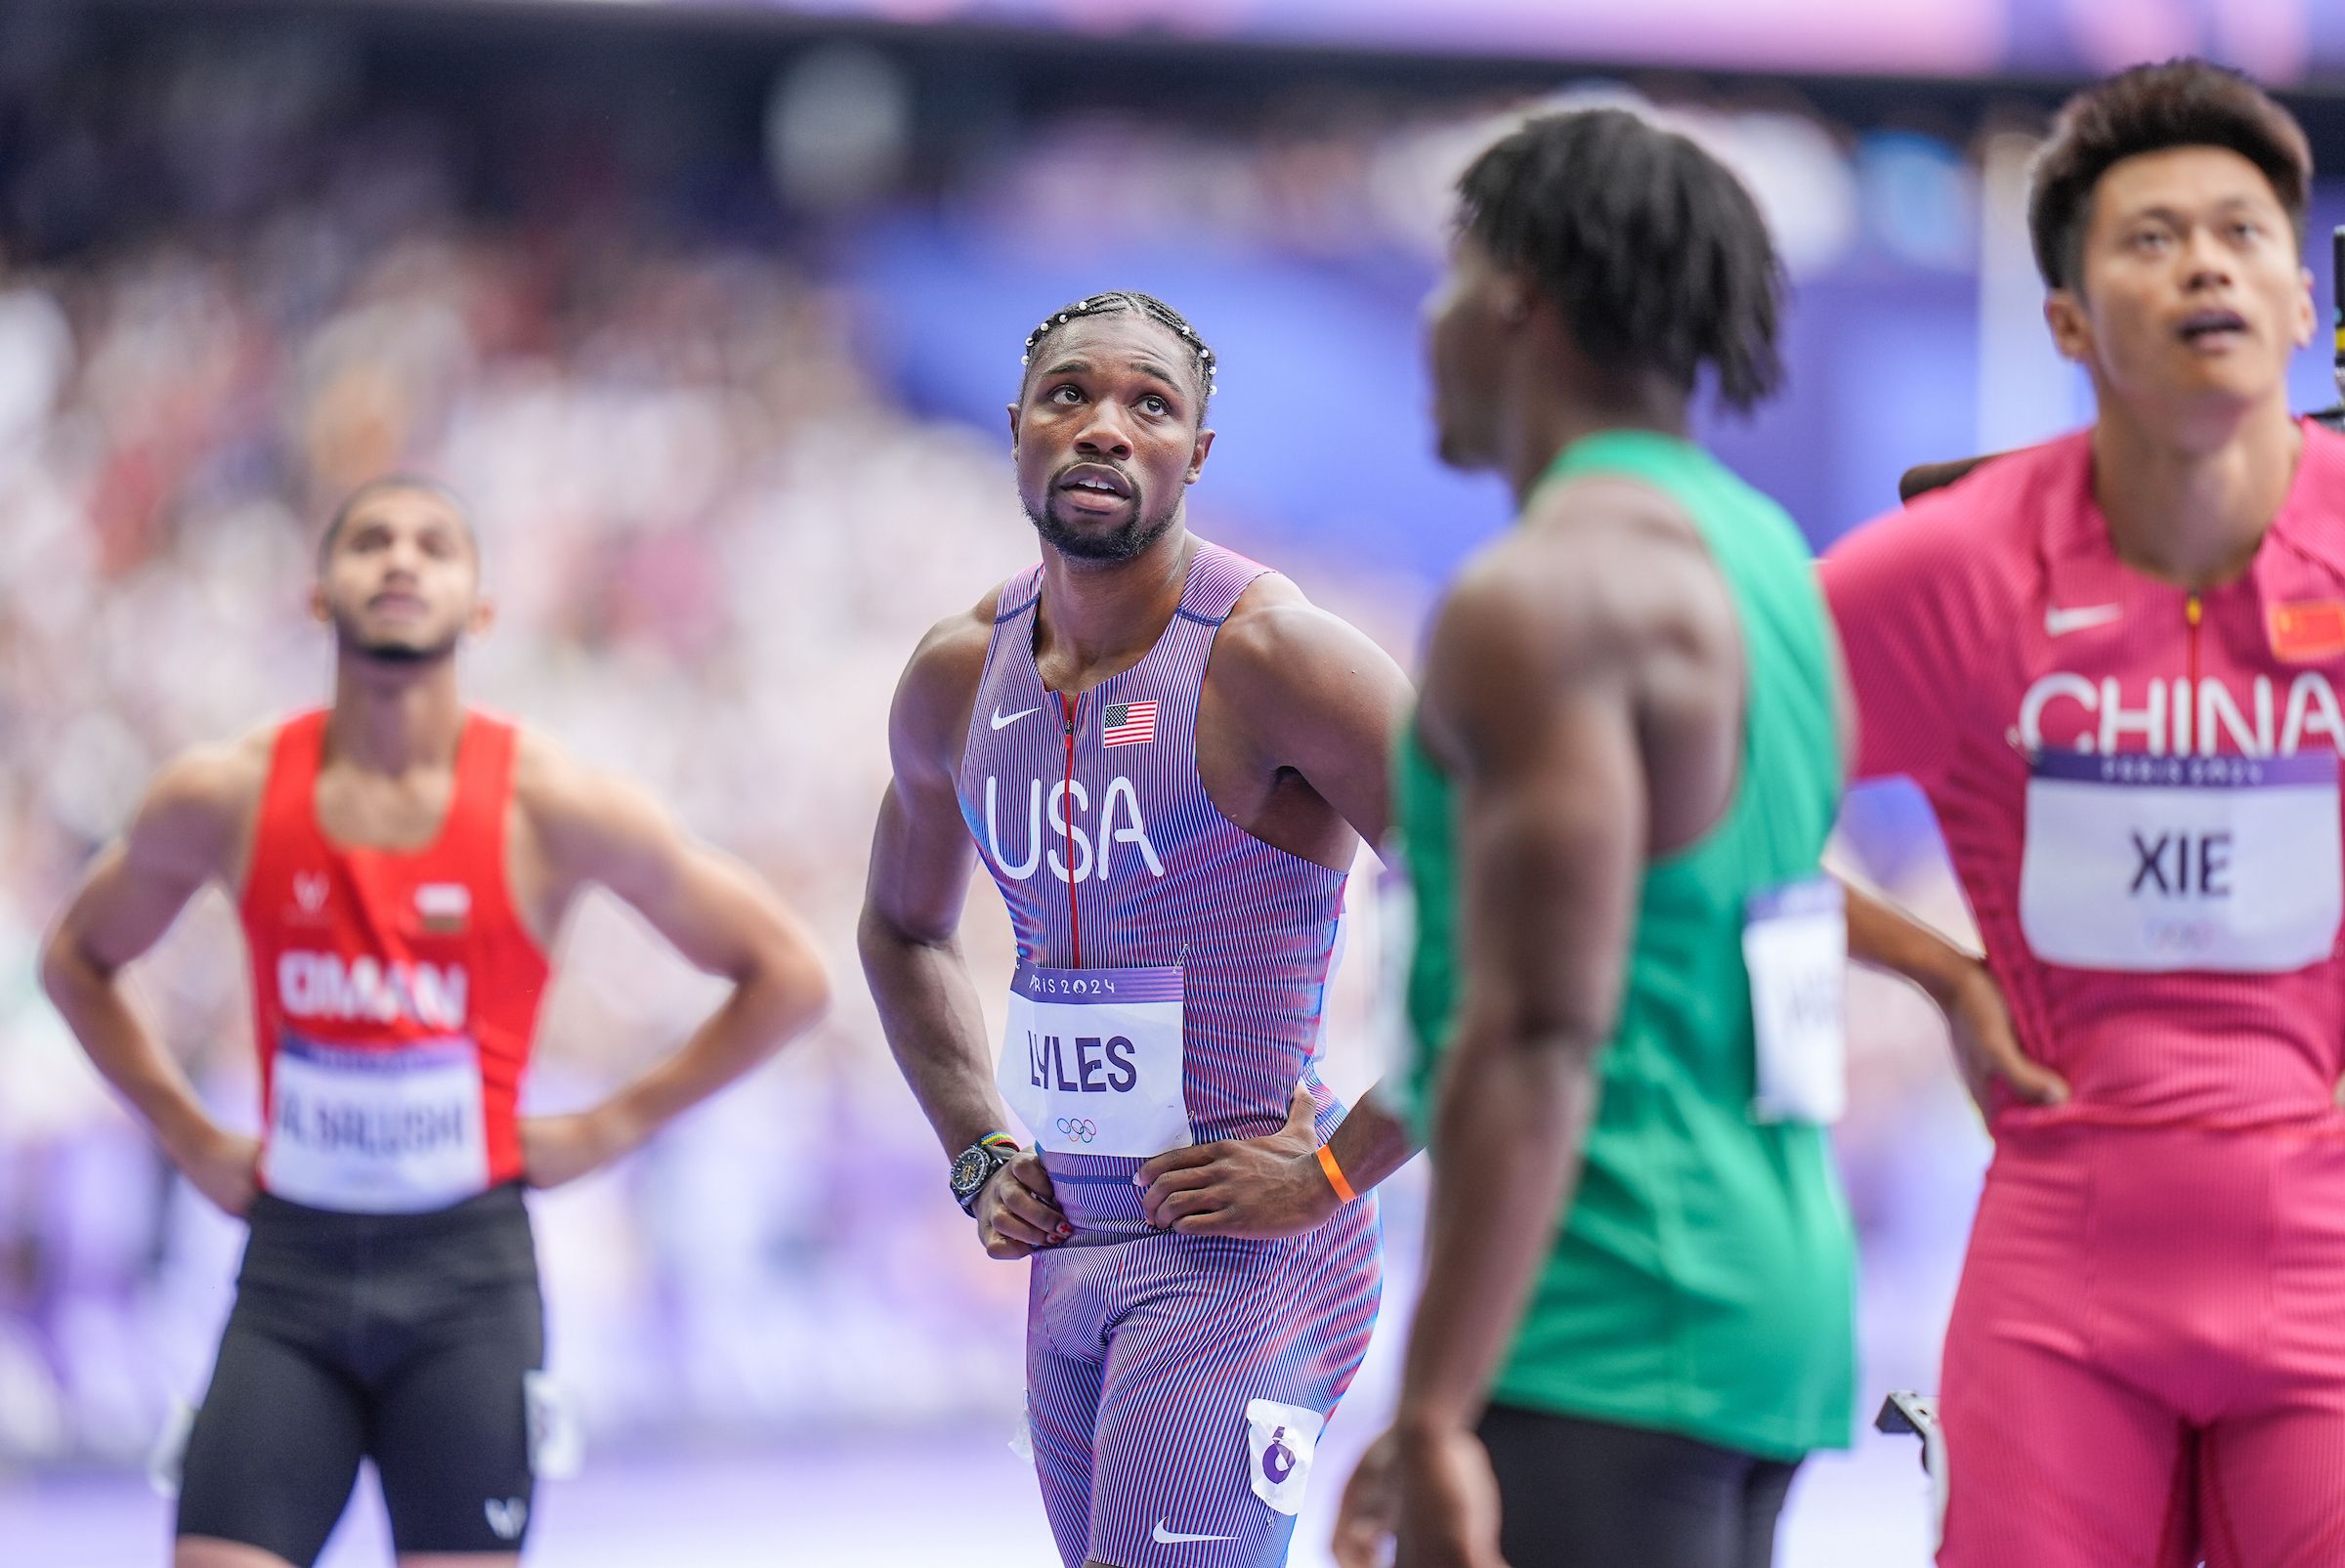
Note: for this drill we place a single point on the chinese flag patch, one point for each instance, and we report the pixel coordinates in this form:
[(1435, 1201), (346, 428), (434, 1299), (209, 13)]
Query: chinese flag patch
[(2307, 630)]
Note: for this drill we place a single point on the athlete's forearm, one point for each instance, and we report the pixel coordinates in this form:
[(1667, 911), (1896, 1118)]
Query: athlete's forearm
[(1885, 937), (935, 1028), (125, 1052), (1370, 1143), (1510, 1135), (770, 1007)]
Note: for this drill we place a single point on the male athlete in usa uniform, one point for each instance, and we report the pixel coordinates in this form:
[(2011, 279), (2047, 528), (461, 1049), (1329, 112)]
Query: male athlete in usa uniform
[(400, 863), (1167, 759)]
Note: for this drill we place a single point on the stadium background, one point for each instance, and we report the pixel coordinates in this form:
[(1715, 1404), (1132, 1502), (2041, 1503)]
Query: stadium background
[(711, 311)]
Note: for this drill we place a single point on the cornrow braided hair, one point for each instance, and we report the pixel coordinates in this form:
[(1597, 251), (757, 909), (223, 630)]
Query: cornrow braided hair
[(1119, 301)]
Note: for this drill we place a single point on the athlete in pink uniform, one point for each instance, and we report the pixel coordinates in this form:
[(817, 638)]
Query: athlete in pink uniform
[(2112, 663)]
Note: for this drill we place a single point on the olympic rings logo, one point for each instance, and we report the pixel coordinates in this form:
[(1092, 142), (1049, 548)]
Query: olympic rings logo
[(1083, 1129)]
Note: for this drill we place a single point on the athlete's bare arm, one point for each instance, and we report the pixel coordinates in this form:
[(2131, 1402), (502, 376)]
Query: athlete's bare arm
[(1986, 1049), (579, 828), (1296, 727), (1881, 936), (1582, 690), (195, 827), (909, 936)]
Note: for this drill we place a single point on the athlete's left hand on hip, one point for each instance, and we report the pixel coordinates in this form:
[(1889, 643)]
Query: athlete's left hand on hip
[(1254, 1187), (555, 1149)]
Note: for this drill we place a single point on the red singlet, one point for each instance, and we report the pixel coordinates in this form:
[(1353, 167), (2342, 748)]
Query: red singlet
[(395, 995)]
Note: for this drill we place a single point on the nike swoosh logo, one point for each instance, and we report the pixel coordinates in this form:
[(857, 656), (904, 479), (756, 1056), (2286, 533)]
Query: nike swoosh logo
[(2060, 623), (1168, 1538), (1000, 723)]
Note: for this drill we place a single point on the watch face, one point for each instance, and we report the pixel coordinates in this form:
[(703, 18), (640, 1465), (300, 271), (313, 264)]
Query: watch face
[(969, 1168)]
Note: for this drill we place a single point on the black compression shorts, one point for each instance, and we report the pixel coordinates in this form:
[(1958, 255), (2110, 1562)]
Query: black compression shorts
[(406, 1338), (1584, 1494)]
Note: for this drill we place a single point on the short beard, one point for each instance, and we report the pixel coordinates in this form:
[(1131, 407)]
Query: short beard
[(407, 654), (403, 652), (1126, 544)]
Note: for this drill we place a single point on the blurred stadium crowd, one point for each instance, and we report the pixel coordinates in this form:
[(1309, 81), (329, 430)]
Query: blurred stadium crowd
[(711, 539), (232, 286)]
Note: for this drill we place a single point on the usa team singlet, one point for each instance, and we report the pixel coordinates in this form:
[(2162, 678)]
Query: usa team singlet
[(1172, 976)]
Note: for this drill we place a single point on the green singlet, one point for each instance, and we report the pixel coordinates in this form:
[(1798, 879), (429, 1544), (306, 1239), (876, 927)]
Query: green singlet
[(1703, 1278)]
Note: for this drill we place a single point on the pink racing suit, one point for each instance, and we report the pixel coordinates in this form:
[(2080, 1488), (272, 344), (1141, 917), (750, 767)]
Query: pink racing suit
[(2138, 787)]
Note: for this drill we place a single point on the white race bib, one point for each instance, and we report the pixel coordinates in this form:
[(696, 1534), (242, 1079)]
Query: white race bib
[(2142, 863), (1395, 1034), (1281, 1441), (1795, 943), (373, 1130), (1093, 1060), (557, 1436), (167, 1459)]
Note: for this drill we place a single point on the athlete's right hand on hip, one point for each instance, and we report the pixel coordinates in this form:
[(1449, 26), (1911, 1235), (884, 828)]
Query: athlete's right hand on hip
[(1017, 1212), (225, 1167), (1986, 1049)]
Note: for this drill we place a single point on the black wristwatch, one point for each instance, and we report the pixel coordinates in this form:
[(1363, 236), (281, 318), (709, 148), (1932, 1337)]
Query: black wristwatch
[(975, 1165)]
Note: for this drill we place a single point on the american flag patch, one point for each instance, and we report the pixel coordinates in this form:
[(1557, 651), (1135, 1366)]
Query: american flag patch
[(1127, 724)]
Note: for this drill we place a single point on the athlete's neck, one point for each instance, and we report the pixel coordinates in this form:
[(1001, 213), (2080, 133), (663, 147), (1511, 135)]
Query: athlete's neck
[(1098, 618), (390, 719), (2188, 501), (1547, 419)]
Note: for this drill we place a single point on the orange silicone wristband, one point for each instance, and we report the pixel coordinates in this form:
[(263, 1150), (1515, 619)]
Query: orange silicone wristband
[(1335, 1173)]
